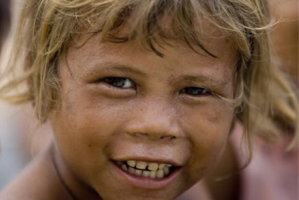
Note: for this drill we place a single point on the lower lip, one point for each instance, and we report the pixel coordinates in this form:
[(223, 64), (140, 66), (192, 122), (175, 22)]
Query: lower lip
[(148, 183)]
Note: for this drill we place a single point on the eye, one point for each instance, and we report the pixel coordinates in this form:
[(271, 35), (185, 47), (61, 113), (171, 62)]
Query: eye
[(194, 91), (119, 82)]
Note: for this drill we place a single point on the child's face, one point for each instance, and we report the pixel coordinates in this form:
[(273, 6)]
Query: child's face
[(156, 111)]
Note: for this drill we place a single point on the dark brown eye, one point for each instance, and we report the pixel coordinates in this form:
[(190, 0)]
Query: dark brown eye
[(194, 91), (119, 82)]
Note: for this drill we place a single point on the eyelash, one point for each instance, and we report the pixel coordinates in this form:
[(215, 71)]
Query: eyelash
[(195, 91), (125, 83)]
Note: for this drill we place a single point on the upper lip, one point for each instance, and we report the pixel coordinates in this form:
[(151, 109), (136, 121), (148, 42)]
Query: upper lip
[(148, 159)]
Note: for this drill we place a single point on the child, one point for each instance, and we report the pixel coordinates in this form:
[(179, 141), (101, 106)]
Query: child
[(142, 95)]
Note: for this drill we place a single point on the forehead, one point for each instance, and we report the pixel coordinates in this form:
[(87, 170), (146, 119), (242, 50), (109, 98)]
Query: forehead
[(207, 39), (222, 48), (210, 45)]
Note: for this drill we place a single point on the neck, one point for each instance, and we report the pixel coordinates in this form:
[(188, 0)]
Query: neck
[(76, 189)]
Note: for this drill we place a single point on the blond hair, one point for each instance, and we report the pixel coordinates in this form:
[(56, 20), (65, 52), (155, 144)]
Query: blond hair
[(264, 100)]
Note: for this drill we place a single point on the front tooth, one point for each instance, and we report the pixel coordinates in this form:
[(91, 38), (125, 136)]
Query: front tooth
[(124, 167), (146, 173), (160, 173), (161, 166), (166, 170), (141, 165), (138, 172), (153, 174), (153, 166), (131, 170), (131, 163)]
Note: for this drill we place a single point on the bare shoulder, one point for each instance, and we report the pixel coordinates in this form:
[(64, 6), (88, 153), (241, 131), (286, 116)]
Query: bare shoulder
[(34, 183)]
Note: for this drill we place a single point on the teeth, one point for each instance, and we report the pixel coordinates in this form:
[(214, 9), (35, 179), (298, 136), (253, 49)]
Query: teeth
[(138, 172), (131, 163), (160, 173), (141, 168), (166, 170), (131, 170), (161, 166), (153, 166), (146, 173), (141, 165), (153, 174), (124, 167)]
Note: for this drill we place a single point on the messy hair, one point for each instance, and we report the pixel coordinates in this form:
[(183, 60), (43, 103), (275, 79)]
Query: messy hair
[(264, 99)]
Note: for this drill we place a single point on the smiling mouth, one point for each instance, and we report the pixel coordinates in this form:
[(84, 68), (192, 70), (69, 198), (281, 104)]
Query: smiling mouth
[(146, 169)]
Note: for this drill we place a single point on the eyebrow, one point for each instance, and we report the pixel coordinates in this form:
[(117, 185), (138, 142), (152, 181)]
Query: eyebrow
[(193, 79), (111, 66)]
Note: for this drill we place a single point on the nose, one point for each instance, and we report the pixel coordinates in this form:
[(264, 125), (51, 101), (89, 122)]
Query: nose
[(155, 120)]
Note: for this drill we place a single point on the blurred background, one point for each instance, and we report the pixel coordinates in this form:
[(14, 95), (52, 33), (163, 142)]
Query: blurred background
[(285, 35), (22, 138)]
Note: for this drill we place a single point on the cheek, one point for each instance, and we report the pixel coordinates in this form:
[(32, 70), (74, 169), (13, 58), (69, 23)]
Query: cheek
[(80, 130), (210, 127), (85, 124), (82, 137)]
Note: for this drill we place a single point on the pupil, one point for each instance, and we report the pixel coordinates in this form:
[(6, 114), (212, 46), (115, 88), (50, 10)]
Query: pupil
[(118, 82), (193, 90)]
